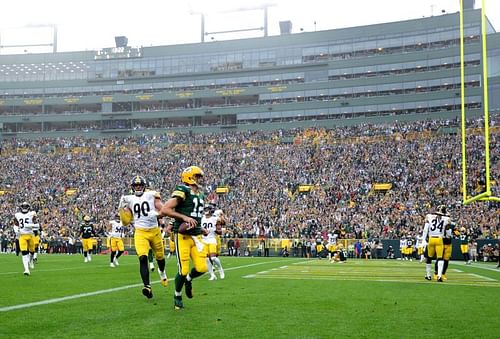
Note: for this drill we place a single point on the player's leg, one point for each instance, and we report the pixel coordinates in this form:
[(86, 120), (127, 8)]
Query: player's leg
[(112, 252), (141, 244), (25, 254), (159, 252), (182, 247), (31, 249), (430, 253), (439, 257), (120, 250), (198, 256), (151, 260)]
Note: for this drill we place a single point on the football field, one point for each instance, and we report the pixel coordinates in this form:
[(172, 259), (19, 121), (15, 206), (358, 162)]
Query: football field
[(259, 298)]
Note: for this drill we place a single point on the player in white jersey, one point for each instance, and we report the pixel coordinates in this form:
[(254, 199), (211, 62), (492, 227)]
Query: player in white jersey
[(420, 248), (210, 222), (435, 228), (26, 223), (115, 232), (145, 206)]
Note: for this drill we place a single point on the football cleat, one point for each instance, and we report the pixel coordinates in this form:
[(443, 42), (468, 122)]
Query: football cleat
[(212, 277), (435, 276), (111, 264), (222, 275), (26, 273), (32, 265), (147, 291), (178, 305), (163, 278), (443, 277), (115, 261), (90, 258), (152, 266), (86, 259), (189, 288), (428, 277), (440, 279)]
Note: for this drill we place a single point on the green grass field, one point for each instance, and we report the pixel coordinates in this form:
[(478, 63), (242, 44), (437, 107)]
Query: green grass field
[(260, 298)]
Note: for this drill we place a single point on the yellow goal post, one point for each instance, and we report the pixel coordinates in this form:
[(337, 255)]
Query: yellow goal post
[(487, 194)]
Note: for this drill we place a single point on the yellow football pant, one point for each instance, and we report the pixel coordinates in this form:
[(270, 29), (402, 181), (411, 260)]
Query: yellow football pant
[(186, 249)]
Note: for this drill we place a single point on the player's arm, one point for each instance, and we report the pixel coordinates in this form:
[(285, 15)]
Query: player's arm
[(16, 222), (168, 209)]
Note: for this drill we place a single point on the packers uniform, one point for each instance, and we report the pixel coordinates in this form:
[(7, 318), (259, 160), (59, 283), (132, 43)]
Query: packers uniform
[(116, 236), (464, 243), (147, 233), (189, 245), (87, 232)]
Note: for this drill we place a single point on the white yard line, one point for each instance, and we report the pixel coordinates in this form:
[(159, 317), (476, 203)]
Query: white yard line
[(110, 290)]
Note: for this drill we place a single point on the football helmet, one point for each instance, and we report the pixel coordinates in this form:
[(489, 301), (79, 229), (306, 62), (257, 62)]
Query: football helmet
[(441, 209), (25, 207), (462, 229), (192, 175), (86, 219), (209, 209), (138, 185)]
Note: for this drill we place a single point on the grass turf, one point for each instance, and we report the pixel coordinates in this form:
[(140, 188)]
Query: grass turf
[(260, 298)]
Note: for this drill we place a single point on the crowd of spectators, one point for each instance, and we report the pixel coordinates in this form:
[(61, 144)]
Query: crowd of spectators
[(263, 171)]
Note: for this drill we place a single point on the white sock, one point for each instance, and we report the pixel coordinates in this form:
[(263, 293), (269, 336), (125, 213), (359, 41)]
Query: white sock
[(218, 263), (26, 262), (188, 278), (210, 267), (428, 269), (440, 268), (35, 255)]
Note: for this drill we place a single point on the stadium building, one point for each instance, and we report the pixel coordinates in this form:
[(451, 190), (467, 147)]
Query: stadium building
[(408, 70)]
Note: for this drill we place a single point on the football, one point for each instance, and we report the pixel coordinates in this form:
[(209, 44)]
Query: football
[(184, 227), (125, 216)]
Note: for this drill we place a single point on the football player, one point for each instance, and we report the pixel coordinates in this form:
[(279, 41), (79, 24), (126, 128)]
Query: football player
[(447, 250), (435, 227), (186, 207), (144, 205), (87, 233), (26, 222), (420, 248), (464, 245), (116, 230), (212, 227)]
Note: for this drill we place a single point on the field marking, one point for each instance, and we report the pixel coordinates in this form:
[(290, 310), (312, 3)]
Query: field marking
[(482, 277), (317, 272), (110, 290)]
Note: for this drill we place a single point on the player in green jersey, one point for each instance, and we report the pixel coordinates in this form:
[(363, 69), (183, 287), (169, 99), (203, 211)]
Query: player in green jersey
[(186, 207)]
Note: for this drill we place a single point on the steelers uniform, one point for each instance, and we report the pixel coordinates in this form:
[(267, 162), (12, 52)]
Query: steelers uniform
[(189, 245), (210, 241), (144, 216), (26, 227), (87, 232), (116, 236), (435, 228)]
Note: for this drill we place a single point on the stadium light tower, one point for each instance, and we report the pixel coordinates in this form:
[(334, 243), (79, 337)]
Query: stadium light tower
[(203, 10)]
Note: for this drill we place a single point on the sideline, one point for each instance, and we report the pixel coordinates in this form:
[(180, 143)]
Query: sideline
[(110, 290)]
